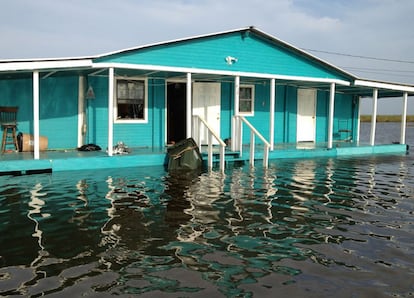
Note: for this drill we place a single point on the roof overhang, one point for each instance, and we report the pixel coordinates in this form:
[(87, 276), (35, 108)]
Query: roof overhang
[(44, 64), (384, 85), (19, 69), (365, 88)]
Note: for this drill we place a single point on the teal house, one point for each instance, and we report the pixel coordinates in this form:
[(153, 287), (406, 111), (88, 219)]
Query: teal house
[(241, 91)]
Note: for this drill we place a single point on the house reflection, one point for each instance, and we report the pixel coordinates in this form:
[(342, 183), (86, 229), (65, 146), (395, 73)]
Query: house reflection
[(36, 204), (177, 193), (127, 223), (202, 212)]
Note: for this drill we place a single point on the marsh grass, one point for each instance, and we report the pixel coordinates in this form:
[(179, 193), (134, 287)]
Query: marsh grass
[(387, 118)]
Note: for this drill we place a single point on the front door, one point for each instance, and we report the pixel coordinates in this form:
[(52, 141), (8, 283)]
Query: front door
[(206, 104), (176, 110), (306, 115)]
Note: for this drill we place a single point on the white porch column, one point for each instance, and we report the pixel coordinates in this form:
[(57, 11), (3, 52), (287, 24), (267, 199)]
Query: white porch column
[(81, 110), (272, 113), (236, 95), (111, 86), (189, 110), (404, 118), (374, 116), (359, 120), (235, 133), (36, 124), (331, 115)]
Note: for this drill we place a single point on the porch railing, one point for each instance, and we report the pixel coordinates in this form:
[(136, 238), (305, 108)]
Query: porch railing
[(198, 122), (239, 120)]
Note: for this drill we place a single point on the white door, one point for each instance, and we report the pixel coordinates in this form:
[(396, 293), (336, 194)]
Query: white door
[(306, 115), (206, 104)]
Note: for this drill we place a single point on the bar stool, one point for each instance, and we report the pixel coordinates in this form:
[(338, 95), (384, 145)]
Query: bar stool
[(8, 120)]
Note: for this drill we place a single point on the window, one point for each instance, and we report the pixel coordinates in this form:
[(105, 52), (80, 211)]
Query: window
[(131, 100), (246, 104)]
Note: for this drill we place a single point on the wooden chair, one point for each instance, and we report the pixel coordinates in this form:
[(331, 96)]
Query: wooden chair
[(8, 121)]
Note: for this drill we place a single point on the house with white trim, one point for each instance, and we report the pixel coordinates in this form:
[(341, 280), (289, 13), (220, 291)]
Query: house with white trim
[(244, 86)]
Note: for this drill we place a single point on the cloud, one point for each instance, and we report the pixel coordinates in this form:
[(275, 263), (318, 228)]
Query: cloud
[(50, 28), (375, 28)]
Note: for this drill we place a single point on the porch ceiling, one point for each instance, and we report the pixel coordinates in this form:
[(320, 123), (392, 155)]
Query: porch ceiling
[(363, 91), (368, 91), (358, 88)]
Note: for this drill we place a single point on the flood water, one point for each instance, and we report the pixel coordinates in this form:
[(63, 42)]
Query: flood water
[(302, 228)]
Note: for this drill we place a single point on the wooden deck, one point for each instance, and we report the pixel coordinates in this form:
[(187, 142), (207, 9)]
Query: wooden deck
[(21, 163)]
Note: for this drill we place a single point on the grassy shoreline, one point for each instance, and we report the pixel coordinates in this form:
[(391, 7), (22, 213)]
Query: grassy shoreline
[(387, 118)]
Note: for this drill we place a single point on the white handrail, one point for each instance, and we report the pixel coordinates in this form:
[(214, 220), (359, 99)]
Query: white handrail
[(211, 134), (253, 133)]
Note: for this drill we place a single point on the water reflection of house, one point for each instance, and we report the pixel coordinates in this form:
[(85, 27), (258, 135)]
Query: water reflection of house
[(126, 222)]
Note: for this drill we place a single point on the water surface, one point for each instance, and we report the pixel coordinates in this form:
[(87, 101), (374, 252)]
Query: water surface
[(302, 228)]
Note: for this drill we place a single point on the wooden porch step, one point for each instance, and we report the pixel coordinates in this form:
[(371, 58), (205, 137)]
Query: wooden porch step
[(230, 157)]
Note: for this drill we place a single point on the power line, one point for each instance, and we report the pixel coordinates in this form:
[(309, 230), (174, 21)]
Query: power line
[(359, 56)]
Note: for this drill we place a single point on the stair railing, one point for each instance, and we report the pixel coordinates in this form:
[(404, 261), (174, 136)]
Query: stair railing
[(198, 122), (253, 132)]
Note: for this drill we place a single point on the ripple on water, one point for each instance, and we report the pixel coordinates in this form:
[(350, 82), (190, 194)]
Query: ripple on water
[(302, 227)]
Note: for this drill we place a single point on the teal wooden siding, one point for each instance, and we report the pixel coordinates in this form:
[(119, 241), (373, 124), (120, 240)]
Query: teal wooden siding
[(18, 92), (97, 112), (150, 134), (280, 114), (59, 111), (227, 109), (343, 126), (291, 111), (345, 115), (254, 55), (261, 117), (322, 110), (58, 108)]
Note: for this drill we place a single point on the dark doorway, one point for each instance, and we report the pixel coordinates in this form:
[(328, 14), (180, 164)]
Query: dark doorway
[(176, 112)]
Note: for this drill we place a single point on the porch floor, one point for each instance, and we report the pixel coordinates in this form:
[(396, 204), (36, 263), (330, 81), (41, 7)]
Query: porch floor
[(18, 163)]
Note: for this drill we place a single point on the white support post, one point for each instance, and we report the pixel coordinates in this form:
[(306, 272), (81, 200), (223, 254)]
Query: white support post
[(196, 130), (404, 118), (331, 115), (266, 157), (222, 161), (374, 116), (252, 144), (272, 114), (81, 110), (240, 138), (236, 137), (359, 120), (189, 105), (210, 150), (36, 120), (111, 86), (236, 95)]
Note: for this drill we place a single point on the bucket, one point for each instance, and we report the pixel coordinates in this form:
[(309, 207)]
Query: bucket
[(26, 142)]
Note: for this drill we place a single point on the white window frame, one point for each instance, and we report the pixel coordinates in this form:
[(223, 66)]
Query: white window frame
[(251, 113), (128, 121)]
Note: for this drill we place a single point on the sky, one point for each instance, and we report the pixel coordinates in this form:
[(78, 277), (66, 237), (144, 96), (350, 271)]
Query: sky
[(372, 39)]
